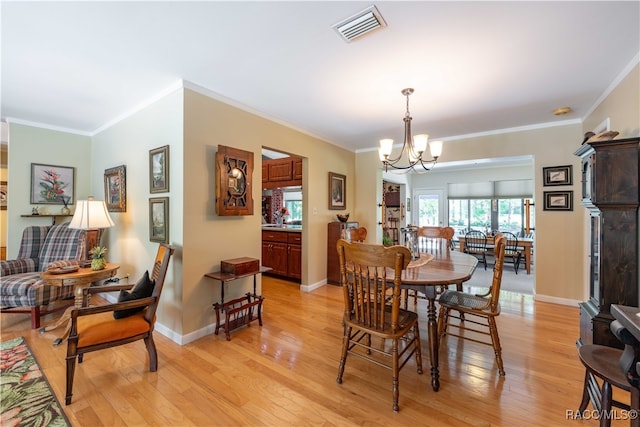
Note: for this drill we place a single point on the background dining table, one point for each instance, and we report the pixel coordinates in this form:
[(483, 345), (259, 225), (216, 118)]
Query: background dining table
[(526, 243), (427, 275)]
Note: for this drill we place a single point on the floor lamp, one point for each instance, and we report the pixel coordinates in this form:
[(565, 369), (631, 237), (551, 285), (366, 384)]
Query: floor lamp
[(92, 216)]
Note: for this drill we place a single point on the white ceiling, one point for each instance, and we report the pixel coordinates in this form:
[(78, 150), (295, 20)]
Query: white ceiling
[(475, 66)]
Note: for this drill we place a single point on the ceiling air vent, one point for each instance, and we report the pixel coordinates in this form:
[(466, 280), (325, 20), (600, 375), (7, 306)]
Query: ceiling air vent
[(360, 24)]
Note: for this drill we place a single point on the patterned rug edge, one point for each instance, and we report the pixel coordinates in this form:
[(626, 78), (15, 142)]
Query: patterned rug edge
[(26, 396)]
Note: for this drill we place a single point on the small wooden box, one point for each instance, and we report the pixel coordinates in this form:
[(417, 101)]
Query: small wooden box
[(240, 266)]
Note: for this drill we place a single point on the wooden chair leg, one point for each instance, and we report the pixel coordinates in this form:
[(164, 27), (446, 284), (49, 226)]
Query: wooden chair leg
[(585, 394), (153, 354), (605, 406), (495, 339), (343, 357), (394, 376), (71, 369)]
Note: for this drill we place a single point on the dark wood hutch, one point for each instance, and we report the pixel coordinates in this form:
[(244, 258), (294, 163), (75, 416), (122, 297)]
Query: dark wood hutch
[(610, 193)]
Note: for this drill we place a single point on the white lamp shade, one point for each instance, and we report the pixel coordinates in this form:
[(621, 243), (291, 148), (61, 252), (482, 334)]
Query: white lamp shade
[(420, 143), (91, 214), (386, 145), (436, 148)]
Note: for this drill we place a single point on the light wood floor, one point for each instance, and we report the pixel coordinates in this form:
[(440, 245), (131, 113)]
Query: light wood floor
[(284, 373)]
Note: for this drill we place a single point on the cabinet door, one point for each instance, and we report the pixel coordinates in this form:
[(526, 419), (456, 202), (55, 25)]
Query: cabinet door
[(297, 168), (280, 170), (294, 266), (274, 255), (265, 173)]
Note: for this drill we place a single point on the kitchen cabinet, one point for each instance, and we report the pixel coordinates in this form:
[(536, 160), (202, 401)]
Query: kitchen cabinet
[(285, 172), (282, 251), (610, 193)]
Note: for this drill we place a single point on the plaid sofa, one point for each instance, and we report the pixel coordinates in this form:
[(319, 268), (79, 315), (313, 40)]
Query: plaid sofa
[(21, 289)]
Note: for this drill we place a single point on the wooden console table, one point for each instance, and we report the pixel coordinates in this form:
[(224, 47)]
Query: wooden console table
[(239, 311)]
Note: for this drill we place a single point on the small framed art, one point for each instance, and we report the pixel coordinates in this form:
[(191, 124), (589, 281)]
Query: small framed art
[(159, 219), (337, 191), (52, 185), (4, 195), (115, 189), (558, 200), (557, 175), (159, 170)]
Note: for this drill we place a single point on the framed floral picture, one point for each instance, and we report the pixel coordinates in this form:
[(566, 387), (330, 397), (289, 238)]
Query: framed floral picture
[(159, 170), (337, 191), (115, 189), (52, 185), (159, 219)]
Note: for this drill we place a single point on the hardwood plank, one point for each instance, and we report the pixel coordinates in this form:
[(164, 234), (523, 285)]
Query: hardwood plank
[(284, 373)]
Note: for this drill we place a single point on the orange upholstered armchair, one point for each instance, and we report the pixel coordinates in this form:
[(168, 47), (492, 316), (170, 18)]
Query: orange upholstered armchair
[(100, 327)]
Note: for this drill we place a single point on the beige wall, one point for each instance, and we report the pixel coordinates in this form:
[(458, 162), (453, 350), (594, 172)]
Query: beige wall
[(622, 106), (209, 238)]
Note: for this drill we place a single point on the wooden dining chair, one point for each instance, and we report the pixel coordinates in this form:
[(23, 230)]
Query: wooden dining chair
[(355, 234), (366, 272), (512, 253), (475, 243), (432, 239), (479, 310), (110, 325)]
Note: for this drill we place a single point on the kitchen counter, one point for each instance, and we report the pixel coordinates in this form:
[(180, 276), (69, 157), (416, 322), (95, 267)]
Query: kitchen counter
[(284, 227)]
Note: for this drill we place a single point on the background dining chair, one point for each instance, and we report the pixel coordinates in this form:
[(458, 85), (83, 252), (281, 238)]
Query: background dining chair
[(478, 310), (366, 271), (512, 253), (475, 243), (435, 238), (97, 328), (355, 234)]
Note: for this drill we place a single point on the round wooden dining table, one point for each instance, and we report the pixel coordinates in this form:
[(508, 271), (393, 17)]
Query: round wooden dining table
[(426, 275)]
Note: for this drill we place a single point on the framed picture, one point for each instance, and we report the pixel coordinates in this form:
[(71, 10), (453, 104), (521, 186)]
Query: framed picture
[(337, 191), (159, 170), (4, 195), (159, 219), (558, 200), (115, 189), (557, 175), (52, 185)]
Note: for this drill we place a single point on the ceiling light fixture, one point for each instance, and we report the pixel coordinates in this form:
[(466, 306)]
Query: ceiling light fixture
[(561, 111), (415, 148)]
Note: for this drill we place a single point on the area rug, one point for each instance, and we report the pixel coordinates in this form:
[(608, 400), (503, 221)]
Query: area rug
[(26, 398)]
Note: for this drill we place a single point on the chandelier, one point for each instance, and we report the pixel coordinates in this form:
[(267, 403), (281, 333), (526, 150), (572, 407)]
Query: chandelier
[(412, 150)]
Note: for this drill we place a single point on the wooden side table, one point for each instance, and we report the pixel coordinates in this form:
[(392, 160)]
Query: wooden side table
[(239, 311), (82, 278)]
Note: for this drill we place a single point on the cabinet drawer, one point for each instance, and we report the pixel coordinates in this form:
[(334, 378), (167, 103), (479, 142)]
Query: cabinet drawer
[(274, 236), (294, 238)]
